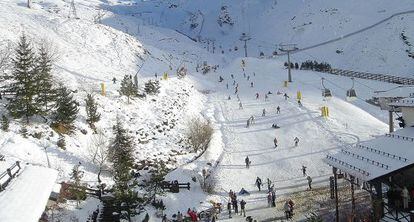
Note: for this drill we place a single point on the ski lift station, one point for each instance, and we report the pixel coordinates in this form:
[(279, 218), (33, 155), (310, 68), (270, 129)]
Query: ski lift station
[(383, 166)]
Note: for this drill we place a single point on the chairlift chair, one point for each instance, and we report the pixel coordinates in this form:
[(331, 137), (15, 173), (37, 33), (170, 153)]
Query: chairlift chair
[(351, 94), (325, 91)]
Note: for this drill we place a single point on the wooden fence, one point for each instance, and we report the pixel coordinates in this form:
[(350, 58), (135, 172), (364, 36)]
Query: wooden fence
[(8, 175)]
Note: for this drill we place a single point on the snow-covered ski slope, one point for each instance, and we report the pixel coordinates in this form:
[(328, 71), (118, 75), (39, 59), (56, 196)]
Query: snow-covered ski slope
[(93, 53), (347, 125), (305, 23)]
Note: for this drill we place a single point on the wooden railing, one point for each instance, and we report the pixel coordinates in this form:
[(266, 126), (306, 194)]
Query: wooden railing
[(8, 175)]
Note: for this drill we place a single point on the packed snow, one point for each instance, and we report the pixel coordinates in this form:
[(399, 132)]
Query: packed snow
[(110, 39)]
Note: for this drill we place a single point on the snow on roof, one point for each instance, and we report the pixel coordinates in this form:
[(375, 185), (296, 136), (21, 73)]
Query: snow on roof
[(403, 91), (26, 196), (377, 157), (406, 102)]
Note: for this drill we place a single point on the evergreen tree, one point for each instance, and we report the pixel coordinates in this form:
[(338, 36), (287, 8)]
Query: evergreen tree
[(24, 84), (121, 156), (128, 88), (77, 190), (152, 87), (4, 123), (66, 109), (157, 176), (91, 111), (46, 92)]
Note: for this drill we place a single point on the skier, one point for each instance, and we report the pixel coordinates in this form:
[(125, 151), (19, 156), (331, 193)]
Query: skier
[(299, 103), (229, 98), (266, 97), (252, 119), (229, 208), (269, 199), (309, 182), (156, 75), (277, 110), (274, 125), (248, 123), (164, 218), (275, 142), (287, 210), (236, 91), (248, 78), (244, 75), (264, 112), (234, 82), (254, 74), (259, 183), (247, 161), (286, 96), (232, 76), (304, 170), (179, 217), (240, 105), (221, 79), (235, 206), (296, 141), (242, 207), (269, 183), (273, 199), (291, 206), (227, 85), (257, 95), (251, 84), (114, 80)]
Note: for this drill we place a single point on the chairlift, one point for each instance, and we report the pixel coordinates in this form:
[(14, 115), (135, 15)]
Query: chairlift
[(351, 94), (325, 91)]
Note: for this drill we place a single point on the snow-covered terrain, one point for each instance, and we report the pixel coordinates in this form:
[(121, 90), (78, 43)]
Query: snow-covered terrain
[(110, 39)]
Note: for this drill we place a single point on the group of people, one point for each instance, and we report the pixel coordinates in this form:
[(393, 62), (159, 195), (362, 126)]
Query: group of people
[(180, 217), (234, 204)]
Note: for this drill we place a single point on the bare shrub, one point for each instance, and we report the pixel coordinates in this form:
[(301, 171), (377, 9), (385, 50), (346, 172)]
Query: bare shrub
[(199, 134)]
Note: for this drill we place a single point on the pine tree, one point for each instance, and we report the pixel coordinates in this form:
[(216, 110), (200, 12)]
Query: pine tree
[(121, 156), (4, 123), (157, 176), (91, 111), (23, 86), (77, 190), (66, 110), (46, 92), (128, 88), (152, 87)]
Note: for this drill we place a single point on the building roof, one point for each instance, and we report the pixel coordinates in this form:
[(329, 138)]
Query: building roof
[(377, 157), (401, 92), (406, 102), (26, 196)]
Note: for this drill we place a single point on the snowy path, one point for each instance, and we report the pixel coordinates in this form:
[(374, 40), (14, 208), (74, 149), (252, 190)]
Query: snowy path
[(283, 164)]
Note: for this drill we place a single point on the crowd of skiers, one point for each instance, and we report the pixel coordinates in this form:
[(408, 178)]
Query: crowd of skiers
[(233, 204)]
